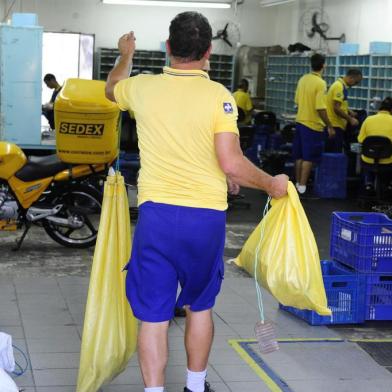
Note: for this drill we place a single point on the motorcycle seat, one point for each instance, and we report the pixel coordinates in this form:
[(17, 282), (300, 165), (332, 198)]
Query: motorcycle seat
[(41, 167)]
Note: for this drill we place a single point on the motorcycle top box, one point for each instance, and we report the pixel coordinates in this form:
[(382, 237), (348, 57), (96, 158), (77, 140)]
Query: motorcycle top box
[(86, 123)]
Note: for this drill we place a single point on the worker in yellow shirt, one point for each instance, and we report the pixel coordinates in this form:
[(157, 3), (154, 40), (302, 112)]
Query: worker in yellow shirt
[(379, 124), (243, 100), (189, 144), (311, 119), (338, 109)]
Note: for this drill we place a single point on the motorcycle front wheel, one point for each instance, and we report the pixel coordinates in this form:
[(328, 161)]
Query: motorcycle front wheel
[(81, 207)]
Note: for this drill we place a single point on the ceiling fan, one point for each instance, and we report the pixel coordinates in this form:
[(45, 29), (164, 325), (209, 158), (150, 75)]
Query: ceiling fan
[(226, 37), (320, 27), (223, 35)]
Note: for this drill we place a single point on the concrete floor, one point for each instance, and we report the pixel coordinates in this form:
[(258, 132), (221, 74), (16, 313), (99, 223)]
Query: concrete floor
[(42, 297)]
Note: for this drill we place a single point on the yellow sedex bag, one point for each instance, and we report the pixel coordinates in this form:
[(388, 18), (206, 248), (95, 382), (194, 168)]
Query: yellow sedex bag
[(110, 329), (288, 260)]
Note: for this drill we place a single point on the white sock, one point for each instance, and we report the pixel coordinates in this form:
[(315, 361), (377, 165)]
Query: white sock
[(301, 189), (195, 380), (154, 389), (297, 185)]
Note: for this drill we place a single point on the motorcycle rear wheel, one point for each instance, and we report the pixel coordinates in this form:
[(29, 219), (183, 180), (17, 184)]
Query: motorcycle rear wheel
[(83, 205)]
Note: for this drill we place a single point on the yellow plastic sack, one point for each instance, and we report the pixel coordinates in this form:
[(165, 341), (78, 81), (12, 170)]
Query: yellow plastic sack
[(110, 329), (289, 263)]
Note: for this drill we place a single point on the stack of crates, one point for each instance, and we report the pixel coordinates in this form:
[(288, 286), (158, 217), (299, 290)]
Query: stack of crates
[(260, 142), (363, 242), (358, 281), (345, 295), (331, 176)]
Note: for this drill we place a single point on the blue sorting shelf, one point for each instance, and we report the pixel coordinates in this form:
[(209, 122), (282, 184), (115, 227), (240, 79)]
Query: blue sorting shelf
[(345, 291), (363, 241)]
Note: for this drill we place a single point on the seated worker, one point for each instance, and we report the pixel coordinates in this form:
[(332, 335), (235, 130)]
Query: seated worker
[(379, 124), (243, 100), (48, 108), (338, 109)]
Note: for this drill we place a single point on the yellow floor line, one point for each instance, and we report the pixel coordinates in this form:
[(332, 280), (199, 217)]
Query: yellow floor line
[(268, 381), (370, 340), (273, 387), (295, 340)]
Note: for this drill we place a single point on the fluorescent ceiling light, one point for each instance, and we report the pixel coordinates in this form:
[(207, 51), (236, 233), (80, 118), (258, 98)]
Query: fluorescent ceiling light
[(270, 3), (164, 3)]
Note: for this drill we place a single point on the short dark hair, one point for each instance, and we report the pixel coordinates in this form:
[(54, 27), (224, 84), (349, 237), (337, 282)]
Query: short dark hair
[(190, 36), (244, 84), (317, 62), (354, 73), (48, 77), (386, 104)]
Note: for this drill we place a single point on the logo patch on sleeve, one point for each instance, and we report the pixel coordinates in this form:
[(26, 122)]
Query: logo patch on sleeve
[(227, 107)]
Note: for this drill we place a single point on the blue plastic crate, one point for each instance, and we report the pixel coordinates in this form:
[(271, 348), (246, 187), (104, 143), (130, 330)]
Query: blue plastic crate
[(345, 291), (275, 141), (259, 144), (378, 297), (377, 47), (330, 176), (348, 48), (362, 240)]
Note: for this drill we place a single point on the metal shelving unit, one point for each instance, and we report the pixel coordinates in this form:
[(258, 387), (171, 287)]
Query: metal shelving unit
[(380, 84), (222, 70), (283, 73), (144, 60), (359, 96), (222, 66)]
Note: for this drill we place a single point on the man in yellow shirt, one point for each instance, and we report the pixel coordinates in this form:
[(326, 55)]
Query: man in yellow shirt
[(379, 124), (338, 109), (243, 100), (188, 140), (308, 144)]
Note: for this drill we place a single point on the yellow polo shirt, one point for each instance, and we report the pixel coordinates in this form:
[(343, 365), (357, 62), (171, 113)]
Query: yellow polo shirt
[(310, 97), (337, 93), (178, 114), (244, 102), (379, 124)]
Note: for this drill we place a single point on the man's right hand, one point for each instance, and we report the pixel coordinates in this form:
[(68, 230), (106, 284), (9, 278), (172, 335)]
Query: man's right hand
[(331, 132), (126, 45), (122, 66), (278, 187)]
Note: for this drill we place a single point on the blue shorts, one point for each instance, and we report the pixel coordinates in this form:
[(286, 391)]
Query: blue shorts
[(308, 144), (175, 244)]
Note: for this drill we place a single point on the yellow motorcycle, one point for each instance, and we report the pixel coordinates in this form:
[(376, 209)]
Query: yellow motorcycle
[(55, 191), (51, 193)]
